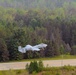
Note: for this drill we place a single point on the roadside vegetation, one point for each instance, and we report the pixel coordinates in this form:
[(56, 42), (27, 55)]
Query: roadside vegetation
[(53, 58), (65, 70), (46, 58)]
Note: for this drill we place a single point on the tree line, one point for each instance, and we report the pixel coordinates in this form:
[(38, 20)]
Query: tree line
[(18, 27), (40, 4)]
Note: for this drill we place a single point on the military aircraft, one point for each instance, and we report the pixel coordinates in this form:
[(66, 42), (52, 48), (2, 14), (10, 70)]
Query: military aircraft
[(33, 48)]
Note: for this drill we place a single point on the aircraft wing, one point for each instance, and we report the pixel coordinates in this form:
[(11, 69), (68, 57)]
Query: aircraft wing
[(29, 47), (35, 49), (42, 45)]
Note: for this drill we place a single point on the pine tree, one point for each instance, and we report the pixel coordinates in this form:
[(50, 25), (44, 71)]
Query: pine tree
[(4, 54), (13, 50), (73, 50)]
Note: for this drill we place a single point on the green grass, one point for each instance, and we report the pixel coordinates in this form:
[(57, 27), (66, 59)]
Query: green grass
[(14, 72), (65, 70), (48, 58), (53, 58)]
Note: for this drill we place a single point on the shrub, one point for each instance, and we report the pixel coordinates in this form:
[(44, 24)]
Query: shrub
[(69, 68), (35, 66), (27, 66), (40, 66), (57, 74)]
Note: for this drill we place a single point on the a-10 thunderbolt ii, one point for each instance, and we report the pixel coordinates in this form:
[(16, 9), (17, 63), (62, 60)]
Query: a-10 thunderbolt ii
[(33, 48)]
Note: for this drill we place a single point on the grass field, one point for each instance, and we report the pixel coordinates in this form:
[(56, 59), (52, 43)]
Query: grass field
[(50, 58), (66, 70)]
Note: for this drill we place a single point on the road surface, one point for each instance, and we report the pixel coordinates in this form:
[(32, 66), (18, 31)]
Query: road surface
[(49, 63)]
